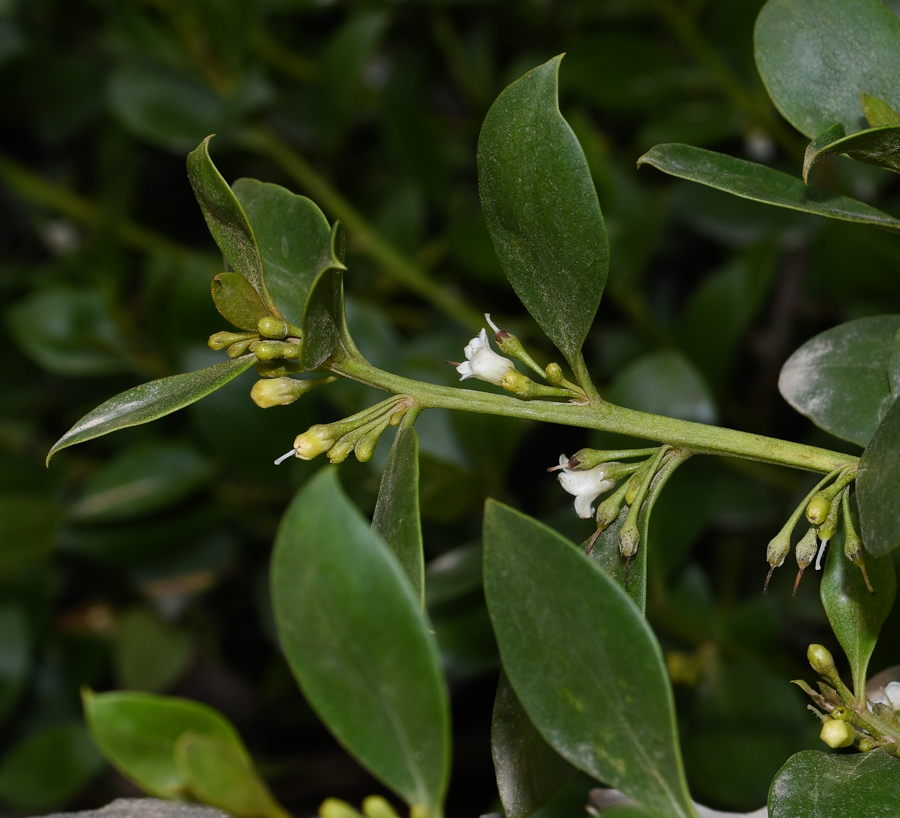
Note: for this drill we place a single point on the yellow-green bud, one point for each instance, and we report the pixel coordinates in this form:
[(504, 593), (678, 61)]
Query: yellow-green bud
[(313, 442), (238, 349), (270, 350), (555, 374), (866, 745), (631, 492), (335, 808), (377, 807), (365, 446), (822, 662), (629, 539), (517, 383), (837, 734), (608, 510), (806, 549), (271, 327), (817, 509), (340, 451), (221, 340), (277, 392)]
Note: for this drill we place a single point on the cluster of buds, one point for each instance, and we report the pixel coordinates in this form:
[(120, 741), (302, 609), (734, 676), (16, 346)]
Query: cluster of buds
[(868, 722), (824, 508), (374, 806), (590, 473), (484, 364), (358, 433), (275, 340)]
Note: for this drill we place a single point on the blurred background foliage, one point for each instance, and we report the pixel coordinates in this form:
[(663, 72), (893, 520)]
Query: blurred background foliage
[(139, 561)]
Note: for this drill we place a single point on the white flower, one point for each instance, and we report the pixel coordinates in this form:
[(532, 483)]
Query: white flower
[(889, 694), (482, 362), (586, 485)]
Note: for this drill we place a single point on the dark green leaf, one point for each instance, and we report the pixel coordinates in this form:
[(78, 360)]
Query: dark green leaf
[(541, 209), (237, 301), (529, 771), (583, 661), (894, 367), (137, 733), (292, 234), (878, 112), (814, 784), (142, 479), (816, 56), (149, 654), (839, 379), (878, 487), (217, 774), (152, 400), (874, 146), (226, 220), (856, 616), (358, 643), (47, 768), (15, 656), (397, 510), (761, 184)]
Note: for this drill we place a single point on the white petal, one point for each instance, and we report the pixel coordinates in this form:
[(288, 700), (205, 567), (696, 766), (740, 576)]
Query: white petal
[(465, 369), (892, 691), (583, 506)]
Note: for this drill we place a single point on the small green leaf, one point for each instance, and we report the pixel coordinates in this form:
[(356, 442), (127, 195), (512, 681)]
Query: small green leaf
[(217, 774), (878, 112), (839, 379), (237, 301), (137, 732), (878, 487), (529, 771), (582, 660), (150, 401), (15, 656), (542, 210), (227, 221), (358, 643), (47, 768), (396, 515), (761, 184), (292, 233), (813, 784), (874, 146), (816, 56), (149, 654)]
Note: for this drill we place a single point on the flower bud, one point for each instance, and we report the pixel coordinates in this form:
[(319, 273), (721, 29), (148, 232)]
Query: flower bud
[(335, 808), (270, 350), (866, 745), (631, 490), (238, 349), (313, 442), (221, 340), (277, 391), (377, 807), (340, 451), (817, 509), (608, 510), (837, 734), (271, 327), (822, 662), (629, 538)]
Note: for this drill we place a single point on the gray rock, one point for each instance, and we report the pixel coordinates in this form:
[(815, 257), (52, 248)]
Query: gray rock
[(145, 808)]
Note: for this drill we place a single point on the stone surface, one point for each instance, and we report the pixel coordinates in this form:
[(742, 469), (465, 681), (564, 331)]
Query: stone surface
[(146, 808)]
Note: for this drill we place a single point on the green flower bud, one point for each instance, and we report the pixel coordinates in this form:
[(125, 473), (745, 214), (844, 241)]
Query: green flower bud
[(837, 734), (278, 391), (271, 327), (377, 807), (817, 509), (629, 539), (270, 350), (365, 446), (313, 442), (853, 545), (523, 387), (866, 745), (822, 662), (608, 510), (238, 349), (221, 340), (335, 808), (631, 489), (340, 451)]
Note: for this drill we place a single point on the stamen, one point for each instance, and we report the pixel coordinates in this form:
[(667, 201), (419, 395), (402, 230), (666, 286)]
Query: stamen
[(453, 363), (768, 577), (492, 325), (797, 582), (822, 548), (590, 546), (284, 457)]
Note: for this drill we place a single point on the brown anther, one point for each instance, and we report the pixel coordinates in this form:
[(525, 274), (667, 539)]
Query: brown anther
[(768, 577), (501, 335)]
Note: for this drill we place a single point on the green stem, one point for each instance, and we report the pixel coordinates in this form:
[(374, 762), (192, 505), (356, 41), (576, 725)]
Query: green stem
[(266, 142), (604, 416)]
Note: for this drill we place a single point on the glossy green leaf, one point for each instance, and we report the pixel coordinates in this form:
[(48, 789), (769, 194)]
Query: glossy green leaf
[(878, 487), (813, 784), (237, 301), (529, 771), (878, 112), (47, 768), (137, 732), (292, 234), (874, 146), (356, 639), (218, 775), (396, 515), (894, 367), (582, 660), (15, 656), (142, 479), (149, 654), (542, 210), (150, 401), (761, 184), (226, 220), (856, 616), (816, 56), (839, 379)]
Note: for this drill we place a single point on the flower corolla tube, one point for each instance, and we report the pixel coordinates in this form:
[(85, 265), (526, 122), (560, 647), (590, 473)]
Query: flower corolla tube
[(482, 362), (586, 485)]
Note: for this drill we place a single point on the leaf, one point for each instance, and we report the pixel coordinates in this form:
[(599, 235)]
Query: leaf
[(813, 784), (227, 221), (149, 654), (137, 733), (142, 479), (582, 660), (894, 367), (856, 616), (761, 184), (358, 643), (874, 146), (237, 301), (878, 112), (218, 775), (150, 401), (816, 56), (15, 656), (49, 767), (396, 515), (292, 235), (541, 209), (529, 771), (839, 379), (878, 487)]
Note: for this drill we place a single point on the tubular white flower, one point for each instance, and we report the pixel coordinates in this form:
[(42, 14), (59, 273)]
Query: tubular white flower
[(482, 362), (586, 485)]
